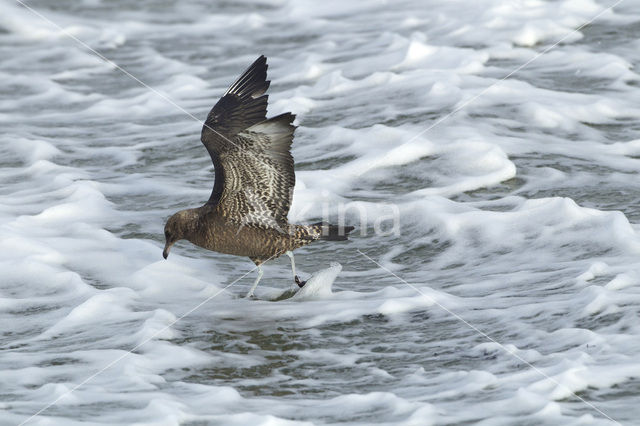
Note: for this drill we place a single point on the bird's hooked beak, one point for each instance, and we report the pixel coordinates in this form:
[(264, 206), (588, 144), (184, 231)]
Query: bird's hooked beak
[(167, 248)]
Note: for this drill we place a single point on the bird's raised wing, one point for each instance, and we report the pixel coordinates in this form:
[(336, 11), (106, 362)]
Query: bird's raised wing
[(258, 174), (254, 175), (243, 105)]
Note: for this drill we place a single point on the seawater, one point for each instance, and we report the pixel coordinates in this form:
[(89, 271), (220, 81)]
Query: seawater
[(509, 295)]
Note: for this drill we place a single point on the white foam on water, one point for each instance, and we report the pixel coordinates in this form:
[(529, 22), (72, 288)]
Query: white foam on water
[(318, 286), (516, 216)]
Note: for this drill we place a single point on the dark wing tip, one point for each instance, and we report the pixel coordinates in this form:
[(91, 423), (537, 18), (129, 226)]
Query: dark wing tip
[(253, 81), (243, 104), (285, 118)]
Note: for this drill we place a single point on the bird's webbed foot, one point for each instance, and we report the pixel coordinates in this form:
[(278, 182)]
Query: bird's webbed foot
[(300, 283)]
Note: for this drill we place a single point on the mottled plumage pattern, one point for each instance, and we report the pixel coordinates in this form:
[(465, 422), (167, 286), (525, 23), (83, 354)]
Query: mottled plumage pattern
[(259, 176), (246, 214)]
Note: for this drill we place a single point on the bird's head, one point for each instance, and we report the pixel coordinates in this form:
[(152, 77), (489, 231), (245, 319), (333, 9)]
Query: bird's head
[(176, 229)]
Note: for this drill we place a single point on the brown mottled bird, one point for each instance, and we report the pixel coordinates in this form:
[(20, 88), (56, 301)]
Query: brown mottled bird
[(246, 214)]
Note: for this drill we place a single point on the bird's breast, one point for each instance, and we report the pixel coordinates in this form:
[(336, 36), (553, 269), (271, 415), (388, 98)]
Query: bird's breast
[(241, 240)]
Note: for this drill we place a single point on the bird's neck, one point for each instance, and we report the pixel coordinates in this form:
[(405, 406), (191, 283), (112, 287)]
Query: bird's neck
[(197, 225), (189, 223)]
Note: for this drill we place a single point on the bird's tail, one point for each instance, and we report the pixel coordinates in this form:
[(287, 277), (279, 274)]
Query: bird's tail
[(325, 231), (305, 234)]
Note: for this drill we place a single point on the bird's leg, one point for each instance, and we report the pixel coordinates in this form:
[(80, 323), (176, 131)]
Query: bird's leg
[(255, 284), (296, 279), (293, 263)]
